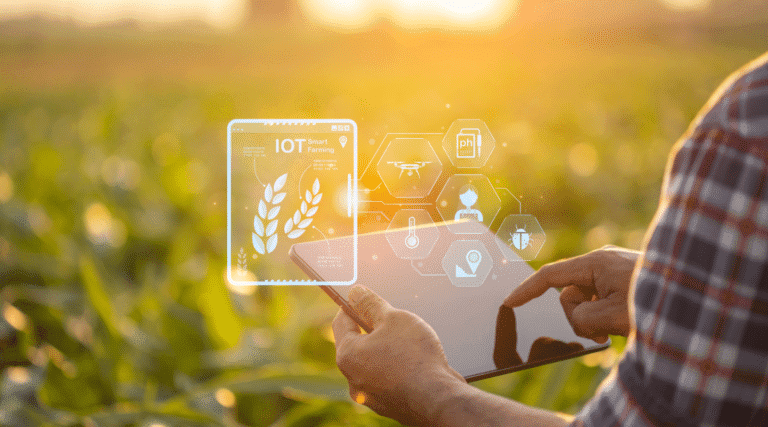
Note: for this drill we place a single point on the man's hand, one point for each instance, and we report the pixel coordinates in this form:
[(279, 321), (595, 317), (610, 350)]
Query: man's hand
[(399, 370), (596, 288)]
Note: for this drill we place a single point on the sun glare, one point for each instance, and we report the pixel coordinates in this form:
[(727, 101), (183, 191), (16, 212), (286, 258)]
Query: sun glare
[(469, 7), (343, 14), (472, 15), (687, 4)]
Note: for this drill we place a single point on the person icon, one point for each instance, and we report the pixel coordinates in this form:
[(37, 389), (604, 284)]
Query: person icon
[(468, 198)]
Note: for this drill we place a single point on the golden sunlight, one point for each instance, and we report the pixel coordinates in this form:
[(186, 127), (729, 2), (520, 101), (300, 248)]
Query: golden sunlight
[(472, 15), (687, 4)]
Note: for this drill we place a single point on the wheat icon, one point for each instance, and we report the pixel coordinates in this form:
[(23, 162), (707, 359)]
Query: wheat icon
[(265, 238), (242, 263), (302, 218)]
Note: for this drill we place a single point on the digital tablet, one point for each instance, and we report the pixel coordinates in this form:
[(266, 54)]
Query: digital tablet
[(457, 285)]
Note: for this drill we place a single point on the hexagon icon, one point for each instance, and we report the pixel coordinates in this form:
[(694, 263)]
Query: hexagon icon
[(522, 234), (468, 197), (469, 143), (409, 167), (467, 263), (412, 234)]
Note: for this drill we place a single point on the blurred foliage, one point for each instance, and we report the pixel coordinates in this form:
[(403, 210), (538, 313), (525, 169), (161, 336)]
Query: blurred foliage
[(115, 310)]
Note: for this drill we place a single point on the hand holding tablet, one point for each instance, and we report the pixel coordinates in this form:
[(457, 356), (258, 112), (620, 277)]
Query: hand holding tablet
[(478, 339)]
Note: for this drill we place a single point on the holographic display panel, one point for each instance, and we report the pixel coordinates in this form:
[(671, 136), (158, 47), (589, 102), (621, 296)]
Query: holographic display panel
[(290, 181)]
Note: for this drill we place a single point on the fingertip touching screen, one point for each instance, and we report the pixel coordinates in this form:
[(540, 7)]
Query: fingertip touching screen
[(458, 289)]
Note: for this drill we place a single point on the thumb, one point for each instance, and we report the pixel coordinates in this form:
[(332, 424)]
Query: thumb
[(371, 307)]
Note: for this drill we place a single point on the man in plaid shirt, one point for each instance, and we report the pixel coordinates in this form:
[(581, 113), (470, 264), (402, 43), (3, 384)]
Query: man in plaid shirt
[(694, 303)]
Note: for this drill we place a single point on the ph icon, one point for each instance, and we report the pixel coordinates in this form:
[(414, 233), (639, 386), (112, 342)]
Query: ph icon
[(468, 143)]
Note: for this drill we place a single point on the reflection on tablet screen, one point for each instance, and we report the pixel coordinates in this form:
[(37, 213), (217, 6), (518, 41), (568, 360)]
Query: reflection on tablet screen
[(458, 289), (543, 348)]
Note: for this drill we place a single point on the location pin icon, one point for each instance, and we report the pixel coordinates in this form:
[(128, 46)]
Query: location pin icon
[(473, 259)]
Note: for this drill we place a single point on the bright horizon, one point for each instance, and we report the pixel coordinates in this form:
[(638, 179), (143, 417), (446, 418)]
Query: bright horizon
[(341, 14)]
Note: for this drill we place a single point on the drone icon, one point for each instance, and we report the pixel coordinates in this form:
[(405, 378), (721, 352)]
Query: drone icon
[(410, 167)]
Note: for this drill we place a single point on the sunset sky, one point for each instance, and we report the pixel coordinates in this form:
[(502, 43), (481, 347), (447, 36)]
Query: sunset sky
[(350, 14)]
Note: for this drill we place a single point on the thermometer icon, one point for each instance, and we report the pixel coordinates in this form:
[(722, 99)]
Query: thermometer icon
[(412, 240)]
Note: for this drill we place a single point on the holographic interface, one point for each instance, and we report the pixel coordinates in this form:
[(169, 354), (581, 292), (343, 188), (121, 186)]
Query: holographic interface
[(293, 181), (290, 181), (416, 180)]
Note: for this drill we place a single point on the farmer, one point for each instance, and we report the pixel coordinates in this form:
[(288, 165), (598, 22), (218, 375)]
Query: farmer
[(694, 302)]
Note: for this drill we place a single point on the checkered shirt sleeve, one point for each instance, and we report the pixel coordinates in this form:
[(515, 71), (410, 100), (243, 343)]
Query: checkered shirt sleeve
[(698, 354)]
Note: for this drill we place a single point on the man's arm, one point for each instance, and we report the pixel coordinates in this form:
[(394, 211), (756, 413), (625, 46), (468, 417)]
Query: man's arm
[(400, 371), (469, 406)]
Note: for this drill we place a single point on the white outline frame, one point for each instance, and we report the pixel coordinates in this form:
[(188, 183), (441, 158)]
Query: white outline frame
[(353, 196)]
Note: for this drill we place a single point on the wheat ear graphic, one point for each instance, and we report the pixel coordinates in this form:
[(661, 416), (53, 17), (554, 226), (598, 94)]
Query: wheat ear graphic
[(265, 238), (302, 218), (242, 263)]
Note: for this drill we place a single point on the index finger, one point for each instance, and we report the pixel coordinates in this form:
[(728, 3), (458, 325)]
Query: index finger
[(576, 271)]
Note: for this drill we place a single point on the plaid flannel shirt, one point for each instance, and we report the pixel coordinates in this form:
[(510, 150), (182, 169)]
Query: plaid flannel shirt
[(698, 354)]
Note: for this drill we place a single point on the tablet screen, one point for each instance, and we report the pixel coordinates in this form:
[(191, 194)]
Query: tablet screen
[(458, 289)]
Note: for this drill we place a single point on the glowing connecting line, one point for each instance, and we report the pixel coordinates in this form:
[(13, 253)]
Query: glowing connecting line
[(410, 167)]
